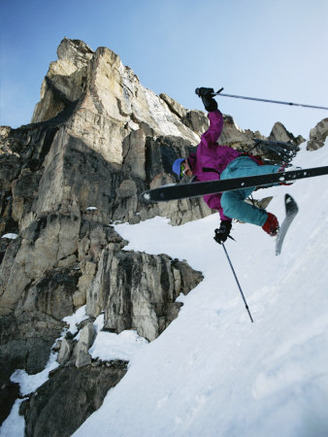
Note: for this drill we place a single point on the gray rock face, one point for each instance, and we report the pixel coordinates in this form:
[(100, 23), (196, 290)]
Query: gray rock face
[(138, 291), (318, 135), (60, 189), (98, 138), (83, 391)]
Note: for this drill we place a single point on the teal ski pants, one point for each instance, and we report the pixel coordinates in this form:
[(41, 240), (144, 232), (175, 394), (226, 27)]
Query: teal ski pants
[(233, 202)]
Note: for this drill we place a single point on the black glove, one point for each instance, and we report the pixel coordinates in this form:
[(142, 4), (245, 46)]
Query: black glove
[(223, 232), (204, 91), (206, 94)]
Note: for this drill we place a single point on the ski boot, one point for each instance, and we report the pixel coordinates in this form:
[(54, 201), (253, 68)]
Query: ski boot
[(271, 226)]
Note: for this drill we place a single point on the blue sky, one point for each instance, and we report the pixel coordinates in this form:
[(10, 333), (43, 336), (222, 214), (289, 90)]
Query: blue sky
[(259, 48)]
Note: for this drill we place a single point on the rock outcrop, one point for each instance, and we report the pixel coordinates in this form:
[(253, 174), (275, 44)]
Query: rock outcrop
[(318, 135), (98, 138), (83, 390)]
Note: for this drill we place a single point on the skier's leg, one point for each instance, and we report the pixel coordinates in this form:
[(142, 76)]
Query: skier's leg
[(234, 206), (245, 166), (232, 202)]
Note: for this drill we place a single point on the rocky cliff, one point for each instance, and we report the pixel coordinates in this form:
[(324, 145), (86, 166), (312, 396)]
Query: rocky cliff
[(97, 139)]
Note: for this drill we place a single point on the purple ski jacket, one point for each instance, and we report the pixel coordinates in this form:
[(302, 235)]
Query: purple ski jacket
[(211, 159)]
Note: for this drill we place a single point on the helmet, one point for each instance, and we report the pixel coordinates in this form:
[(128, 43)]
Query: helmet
[(176, 166)]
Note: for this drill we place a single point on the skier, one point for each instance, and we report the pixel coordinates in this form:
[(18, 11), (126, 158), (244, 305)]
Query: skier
[(213, 161)]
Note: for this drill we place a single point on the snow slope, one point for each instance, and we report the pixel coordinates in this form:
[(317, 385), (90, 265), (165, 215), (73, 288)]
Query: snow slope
[(213, 373)]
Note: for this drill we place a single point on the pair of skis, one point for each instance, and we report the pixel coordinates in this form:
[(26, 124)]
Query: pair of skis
[(196, 189)]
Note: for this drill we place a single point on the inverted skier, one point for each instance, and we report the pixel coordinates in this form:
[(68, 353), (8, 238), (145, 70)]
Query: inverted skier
[(213, 161)]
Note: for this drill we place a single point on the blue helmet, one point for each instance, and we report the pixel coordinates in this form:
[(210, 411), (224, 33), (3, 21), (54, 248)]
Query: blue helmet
[(176, 166)]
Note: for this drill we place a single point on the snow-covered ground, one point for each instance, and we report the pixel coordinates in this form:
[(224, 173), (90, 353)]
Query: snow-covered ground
[(213, 373)]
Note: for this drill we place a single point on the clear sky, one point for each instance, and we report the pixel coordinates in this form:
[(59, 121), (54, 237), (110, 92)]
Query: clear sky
[(274, 49)]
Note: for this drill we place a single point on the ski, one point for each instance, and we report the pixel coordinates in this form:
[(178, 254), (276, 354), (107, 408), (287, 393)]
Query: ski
[(291, 211), (196, 189)]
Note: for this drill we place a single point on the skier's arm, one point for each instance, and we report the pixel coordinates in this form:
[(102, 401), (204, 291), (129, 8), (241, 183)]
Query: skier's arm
[(210, 137)]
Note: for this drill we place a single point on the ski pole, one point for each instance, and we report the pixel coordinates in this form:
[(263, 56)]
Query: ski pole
[(267, 100), (241, 291)]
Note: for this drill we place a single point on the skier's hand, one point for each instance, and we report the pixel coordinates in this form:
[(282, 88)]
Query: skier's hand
[(223, 232), (202, 92), (206, 94)]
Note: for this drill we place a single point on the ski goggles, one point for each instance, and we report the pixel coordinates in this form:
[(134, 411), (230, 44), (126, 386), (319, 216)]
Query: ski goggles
[(182, 169)]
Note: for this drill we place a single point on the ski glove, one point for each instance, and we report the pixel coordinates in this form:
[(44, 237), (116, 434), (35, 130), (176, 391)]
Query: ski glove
[(223, 232), (206, 94)]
